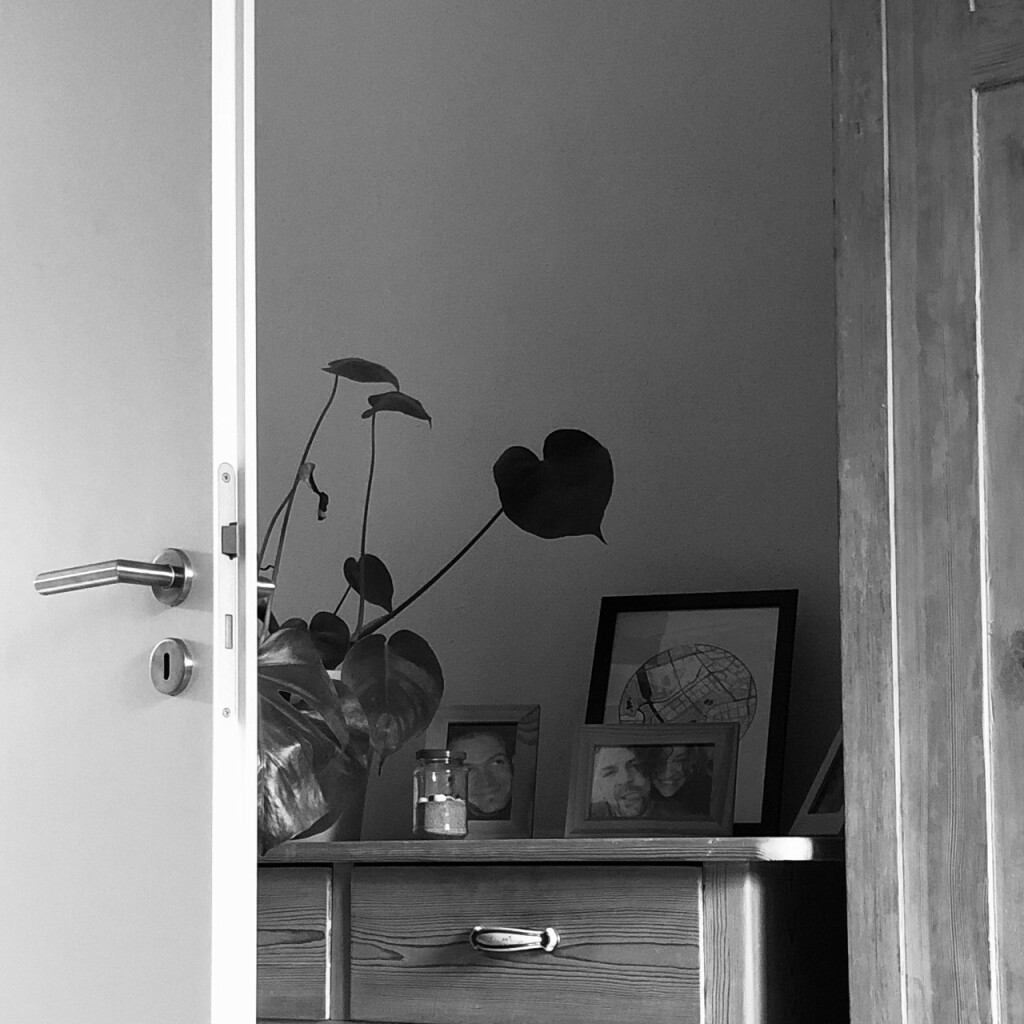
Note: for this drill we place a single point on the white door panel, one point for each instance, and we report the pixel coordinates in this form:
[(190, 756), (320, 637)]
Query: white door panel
[(109, 872)]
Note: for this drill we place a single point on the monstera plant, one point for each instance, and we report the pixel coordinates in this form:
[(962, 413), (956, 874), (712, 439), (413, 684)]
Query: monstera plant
[(335, 697)]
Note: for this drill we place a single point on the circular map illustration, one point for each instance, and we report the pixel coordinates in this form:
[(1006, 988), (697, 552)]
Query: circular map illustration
[(690, 683)]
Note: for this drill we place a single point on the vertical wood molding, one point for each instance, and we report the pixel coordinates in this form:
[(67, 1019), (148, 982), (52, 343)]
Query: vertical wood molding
[(932, 502), (773, 948), (936, 512), (339, 1006), (1000, 186), (869, 699), (733, 991)]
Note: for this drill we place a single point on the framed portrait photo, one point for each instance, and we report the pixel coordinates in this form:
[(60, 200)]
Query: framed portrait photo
[(500, 744), (636, 780), (680, 659), (822, 812)]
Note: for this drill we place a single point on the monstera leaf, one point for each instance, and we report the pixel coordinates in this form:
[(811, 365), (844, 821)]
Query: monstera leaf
[(380, 588), (398, 682), (313, 739), (330, 637), (564, 494)]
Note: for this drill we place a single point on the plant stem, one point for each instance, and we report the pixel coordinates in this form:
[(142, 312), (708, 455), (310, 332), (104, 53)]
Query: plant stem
[(273, 519), (377, 623), (366, 515), (290, 500), (342, 601)]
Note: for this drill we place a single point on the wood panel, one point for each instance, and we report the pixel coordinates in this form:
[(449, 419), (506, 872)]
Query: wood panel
[(293, 943), (996, 44), (680, 849), (870, 748), (774, 944), (932, 729), (1000, 132), (629, 946), (936, 520)]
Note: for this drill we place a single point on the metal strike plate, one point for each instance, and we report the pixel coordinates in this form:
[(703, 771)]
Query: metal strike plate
[(170, 666)]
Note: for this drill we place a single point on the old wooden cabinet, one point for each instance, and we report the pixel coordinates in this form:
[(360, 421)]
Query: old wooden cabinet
[(678, 930)]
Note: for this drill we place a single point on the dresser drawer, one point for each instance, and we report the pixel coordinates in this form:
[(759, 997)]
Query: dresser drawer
[(293, 968), (629, 944)]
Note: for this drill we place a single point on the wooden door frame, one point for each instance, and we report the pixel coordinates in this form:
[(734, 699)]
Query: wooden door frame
[(929, 831), (864, 374)]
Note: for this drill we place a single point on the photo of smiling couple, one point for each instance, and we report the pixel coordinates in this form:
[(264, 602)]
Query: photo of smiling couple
[(666, 783)]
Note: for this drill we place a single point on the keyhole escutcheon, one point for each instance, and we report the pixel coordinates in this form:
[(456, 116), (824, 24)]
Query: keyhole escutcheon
[(170, 666)]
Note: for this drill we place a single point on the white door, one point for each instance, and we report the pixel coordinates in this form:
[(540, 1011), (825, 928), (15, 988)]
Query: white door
[(127, 839)]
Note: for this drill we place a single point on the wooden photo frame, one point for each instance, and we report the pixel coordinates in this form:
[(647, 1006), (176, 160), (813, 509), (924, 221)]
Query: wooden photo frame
[(500, 741), (637, 780), (822, 812), (691, 658)]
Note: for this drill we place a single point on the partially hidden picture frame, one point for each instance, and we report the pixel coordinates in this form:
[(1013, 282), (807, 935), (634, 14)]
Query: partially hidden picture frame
[(636, 780), (704, 658), (823, 811), (500, 743)]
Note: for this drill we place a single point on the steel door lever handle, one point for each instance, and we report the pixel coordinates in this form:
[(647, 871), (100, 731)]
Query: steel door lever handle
[(169, 576)]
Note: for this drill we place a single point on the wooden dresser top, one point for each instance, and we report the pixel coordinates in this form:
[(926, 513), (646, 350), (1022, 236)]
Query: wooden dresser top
[(682, 849)]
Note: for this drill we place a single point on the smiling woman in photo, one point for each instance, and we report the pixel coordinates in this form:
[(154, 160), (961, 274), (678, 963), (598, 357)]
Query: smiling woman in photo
[(681, 777)]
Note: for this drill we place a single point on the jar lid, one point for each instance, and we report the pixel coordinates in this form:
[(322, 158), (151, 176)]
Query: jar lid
[(455, 756)]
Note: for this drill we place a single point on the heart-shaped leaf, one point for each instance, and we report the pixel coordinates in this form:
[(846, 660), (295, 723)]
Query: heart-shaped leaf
[(362, 371), (331, 638), (399, 684), (314, 754), (294, 623), (563, 495), (380, 588), (396, 401)]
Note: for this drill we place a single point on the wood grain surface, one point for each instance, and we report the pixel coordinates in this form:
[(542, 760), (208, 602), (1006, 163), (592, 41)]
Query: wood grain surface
[(928, 124), (870, 750), (629, 946), (681, 849), (1000, 116), (293, 943), (775, 944)]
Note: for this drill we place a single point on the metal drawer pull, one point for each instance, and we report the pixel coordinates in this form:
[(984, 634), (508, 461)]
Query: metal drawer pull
[(512, 940), (169, 575)]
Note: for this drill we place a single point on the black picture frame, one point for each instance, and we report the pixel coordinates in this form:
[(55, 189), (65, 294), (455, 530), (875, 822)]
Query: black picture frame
[(744, 637)]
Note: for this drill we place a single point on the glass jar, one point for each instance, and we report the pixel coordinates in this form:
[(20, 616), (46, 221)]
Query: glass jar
[(440, 782)]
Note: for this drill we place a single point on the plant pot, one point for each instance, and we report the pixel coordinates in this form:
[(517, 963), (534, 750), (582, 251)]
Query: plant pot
[(350, 825)]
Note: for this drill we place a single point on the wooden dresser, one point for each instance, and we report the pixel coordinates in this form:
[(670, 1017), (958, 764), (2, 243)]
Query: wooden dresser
[(660, 931)]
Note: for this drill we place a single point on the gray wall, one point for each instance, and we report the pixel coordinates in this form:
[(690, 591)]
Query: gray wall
[(545, 213)]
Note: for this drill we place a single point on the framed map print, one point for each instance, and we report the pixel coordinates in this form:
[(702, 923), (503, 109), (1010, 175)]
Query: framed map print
[(675, 659)]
